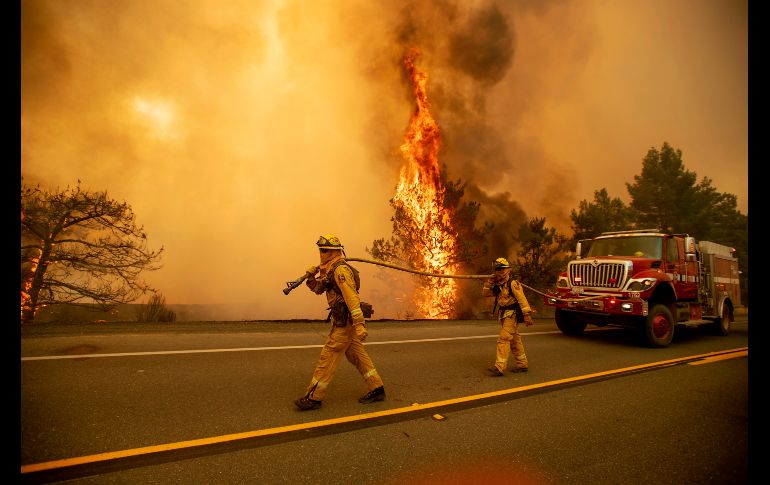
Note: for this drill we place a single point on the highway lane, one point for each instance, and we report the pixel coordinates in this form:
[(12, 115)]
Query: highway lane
[(99, 392)]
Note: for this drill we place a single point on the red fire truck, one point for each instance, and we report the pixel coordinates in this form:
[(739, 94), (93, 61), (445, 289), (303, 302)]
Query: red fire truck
[(650, 281)]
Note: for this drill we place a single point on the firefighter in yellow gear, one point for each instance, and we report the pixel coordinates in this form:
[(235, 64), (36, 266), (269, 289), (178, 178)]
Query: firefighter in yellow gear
[(340, 282), (513, 309)]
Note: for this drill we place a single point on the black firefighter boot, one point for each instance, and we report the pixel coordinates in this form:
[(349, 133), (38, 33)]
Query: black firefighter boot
[(305, 403), (377, 394)]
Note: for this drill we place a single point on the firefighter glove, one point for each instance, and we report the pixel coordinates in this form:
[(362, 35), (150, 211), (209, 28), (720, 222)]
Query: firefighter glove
[(528, 320), (361, 332), (491, 285)]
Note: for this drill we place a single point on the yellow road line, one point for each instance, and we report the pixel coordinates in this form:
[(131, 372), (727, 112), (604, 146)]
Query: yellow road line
[(149, 450), (716, 358)]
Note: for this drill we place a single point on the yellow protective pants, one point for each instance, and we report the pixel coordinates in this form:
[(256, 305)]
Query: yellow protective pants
[(509, 342), (341, 341)]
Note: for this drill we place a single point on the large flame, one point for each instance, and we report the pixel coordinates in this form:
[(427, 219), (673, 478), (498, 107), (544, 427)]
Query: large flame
[(420, 195)]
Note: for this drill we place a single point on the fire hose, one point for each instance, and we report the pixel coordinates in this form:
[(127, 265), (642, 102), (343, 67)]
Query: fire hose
[(290, 285)]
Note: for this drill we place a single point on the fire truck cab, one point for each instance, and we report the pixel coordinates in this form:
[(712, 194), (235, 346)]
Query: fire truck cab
[(647, 280)]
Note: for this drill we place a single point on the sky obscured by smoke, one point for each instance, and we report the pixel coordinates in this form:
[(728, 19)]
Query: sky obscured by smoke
[(239, 131)]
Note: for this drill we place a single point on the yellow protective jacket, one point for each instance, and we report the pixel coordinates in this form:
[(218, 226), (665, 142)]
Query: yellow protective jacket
[(344, 292), (505, 298)]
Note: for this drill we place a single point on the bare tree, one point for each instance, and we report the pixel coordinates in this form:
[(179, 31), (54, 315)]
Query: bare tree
[(155, 310), (80, 248)]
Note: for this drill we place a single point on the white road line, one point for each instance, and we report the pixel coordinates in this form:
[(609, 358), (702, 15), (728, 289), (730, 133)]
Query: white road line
[(253, 349)]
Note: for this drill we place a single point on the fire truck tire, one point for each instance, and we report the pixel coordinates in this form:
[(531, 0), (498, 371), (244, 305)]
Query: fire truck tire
[(569, 323), (721, 325), (658, 328)]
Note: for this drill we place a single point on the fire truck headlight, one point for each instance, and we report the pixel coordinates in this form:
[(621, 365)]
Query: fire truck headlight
[(640, 285), (626, 307), (562, 282), (552, 301)]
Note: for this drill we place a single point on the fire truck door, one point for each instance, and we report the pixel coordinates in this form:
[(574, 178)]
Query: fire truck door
[(685, 282)]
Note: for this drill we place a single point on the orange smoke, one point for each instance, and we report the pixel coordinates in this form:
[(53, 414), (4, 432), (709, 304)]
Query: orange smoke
[(420, 197)]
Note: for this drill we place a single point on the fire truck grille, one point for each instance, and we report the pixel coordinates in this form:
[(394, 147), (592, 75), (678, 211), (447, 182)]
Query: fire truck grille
[(601, 275)]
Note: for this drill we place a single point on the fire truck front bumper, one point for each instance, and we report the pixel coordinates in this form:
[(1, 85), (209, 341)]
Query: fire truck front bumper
[(600, 304)]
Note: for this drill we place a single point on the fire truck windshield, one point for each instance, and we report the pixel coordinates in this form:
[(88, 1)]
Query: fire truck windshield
[(636, 246)]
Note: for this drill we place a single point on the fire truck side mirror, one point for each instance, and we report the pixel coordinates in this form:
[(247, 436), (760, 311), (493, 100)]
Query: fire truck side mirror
[(582, 247), (690, 246)]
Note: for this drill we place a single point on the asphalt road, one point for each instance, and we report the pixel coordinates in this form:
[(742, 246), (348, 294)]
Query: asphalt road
[(212, 403)]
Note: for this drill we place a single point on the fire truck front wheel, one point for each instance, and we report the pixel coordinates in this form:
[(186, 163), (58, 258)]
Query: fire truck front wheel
[(569, 323), (658, 327)]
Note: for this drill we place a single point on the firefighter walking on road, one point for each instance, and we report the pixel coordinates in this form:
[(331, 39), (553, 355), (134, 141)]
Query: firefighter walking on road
[(513, 309), (340, 282)]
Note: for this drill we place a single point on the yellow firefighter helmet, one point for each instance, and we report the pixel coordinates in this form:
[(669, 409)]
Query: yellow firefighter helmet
[(329, 241), (501, 263)]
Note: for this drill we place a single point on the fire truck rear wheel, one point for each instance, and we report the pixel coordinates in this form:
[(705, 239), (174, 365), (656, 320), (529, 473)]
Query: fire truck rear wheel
[(658, 328), (722, 325), (569, 323)]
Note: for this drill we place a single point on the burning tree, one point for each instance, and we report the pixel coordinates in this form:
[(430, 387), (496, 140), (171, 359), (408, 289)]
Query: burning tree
[(432, 230), (80, 248)]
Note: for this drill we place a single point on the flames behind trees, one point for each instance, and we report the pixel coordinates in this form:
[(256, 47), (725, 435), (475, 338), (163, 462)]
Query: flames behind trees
[(432, 230)]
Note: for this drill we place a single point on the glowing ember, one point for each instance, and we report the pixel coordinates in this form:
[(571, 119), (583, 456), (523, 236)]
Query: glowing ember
[(28, 277), (27, 284), (419, 195)]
